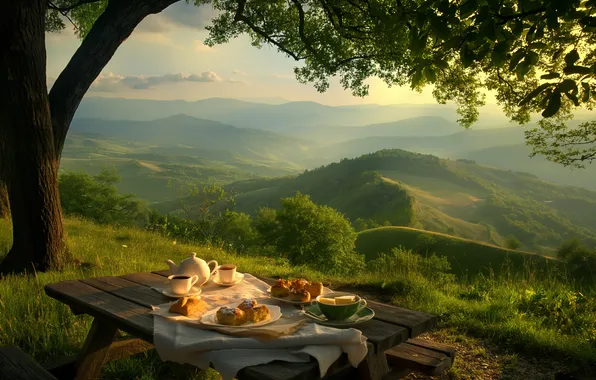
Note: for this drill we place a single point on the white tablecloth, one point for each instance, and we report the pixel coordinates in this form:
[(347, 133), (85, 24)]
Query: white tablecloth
[(183, 343)]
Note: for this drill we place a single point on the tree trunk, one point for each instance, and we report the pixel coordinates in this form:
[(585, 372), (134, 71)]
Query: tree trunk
[(109, 31), (4, 205), (29, 163)]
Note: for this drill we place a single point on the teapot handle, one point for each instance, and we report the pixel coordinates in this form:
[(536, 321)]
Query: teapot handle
[(214, 268)]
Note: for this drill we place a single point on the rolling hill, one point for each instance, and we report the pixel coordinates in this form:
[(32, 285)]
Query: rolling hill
[(467, 257), (455, 197)]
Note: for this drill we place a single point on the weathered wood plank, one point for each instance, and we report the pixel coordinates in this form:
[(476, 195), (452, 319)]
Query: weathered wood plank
[(374, 366), (95, 349), (415, 321), (438, 347), (16, 365), (127, 290), (163, 273), (128, 316), (383, 335), (418, 359), (147, 279)]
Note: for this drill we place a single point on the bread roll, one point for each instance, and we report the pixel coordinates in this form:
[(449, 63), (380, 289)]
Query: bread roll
[(230, 317), (189, 307), (315, 289)]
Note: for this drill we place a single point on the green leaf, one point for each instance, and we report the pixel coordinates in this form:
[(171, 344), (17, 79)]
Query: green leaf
[(442, 64), (577, 70), (440, 28), (571, 57), (467, 56), (430, 74), (467, 8), (550, 76), (532, 57), (417, 78), (554, 104), (421, 18), (537, 45), (588, 21), (531, 33), (567, 85), (499, 55), (518, 28), (573, 98), (522, 69), (488, 30), (557, 54), (547, 95), (516, 57), (552, 21), (537, 91), (587, 91)]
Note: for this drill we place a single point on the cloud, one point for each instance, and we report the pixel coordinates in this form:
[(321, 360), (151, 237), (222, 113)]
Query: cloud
[(239, 72), (200, 47), (153, 24), (189, 15), (112, 83), (283, 76)]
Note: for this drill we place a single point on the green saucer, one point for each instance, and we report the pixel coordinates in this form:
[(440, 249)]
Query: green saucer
[(314, 313)]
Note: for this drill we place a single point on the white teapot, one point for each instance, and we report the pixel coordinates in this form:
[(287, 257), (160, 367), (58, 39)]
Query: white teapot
[(194, 266)]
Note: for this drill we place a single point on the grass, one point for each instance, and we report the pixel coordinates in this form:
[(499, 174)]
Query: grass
[(467, 257), (531, 315)]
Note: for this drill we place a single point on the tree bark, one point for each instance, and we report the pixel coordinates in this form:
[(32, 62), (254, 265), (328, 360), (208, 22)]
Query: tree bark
[(29, 162), (4, 204), (111, 29)]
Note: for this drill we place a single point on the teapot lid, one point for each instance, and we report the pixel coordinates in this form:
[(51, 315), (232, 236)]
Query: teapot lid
[(192, 259)]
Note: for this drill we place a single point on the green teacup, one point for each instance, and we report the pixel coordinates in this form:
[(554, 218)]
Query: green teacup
[(340, 312)]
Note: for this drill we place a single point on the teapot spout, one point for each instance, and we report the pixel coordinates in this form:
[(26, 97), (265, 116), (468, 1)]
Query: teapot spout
[(173, 267)]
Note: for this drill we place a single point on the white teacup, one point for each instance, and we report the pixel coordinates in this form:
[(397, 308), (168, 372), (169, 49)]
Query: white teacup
[(181, 283), (227, 273)]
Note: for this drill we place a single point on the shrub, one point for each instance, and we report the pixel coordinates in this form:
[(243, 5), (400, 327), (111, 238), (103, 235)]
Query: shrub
[(97, 198), (512, 243), (317, 236), (581, 261)]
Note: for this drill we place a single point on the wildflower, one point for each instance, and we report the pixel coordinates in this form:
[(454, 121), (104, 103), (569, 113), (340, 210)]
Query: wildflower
[(124, 246), (174, 242)]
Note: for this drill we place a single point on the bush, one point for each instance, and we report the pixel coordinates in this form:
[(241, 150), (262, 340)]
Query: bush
[(317, 236), (512, 243), (581, 261), (97, 198)]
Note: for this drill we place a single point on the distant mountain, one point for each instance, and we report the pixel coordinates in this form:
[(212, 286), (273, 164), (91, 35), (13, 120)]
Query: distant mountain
[(186, 132), (417, 126), (276, 117), (455, 197), (516, 157), (452, 145)]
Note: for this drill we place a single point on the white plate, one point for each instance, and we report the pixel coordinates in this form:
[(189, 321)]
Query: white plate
[(237, 280), (194, 291), (210, 317)]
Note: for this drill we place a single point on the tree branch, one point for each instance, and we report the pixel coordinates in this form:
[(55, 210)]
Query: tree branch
[(109, 31), (65, 10)]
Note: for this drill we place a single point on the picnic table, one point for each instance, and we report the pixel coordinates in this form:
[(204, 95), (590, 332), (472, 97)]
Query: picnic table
[(123, 303)]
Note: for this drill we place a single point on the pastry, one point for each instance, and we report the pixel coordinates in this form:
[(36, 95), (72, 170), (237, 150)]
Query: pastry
[(230, 317), (189, 307), (299, 295), (315, 289), (280, 291), (284, 283), (247, 304), (258, 313), (299, 284)]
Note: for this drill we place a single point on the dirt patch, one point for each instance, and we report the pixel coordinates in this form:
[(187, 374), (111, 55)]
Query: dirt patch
[(475, 359)]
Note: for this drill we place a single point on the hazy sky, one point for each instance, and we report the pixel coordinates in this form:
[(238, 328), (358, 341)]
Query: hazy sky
[(166, 59)]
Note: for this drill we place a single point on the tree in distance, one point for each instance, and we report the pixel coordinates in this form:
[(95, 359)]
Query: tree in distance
[(537, 55)]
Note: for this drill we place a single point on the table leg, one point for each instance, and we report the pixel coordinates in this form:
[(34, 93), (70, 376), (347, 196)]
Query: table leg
[(95, 350), (374, 366)]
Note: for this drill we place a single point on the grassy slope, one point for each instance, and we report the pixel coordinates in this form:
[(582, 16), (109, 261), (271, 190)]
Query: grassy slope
[(467, 257), (46, 328)]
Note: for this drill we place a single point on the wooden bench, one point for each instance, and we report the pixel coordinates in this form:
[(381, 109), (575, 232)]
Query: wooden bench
[(419, 355), (16, 365)]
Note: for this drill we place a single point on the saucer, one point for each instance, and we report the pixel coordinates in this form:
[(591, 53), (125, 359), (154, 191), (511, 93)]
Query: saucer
[(194, 291), (237, 280), (314, 313)]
